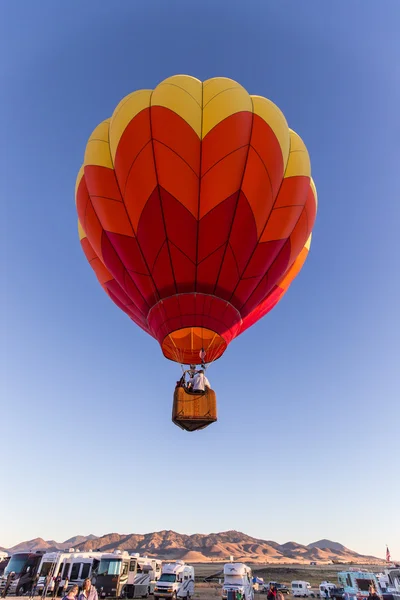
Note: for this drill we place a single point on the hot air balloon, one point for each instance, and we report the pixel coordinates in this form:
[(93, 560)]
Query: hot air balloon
[(195, 210)]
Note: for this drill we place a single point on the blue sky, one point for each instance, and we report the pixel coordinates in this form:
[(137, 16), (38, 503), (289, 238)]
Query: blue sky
[(87, 441)]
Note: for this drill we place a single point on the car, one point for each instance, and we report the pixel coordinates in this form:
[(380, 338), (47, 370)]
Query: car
[(280, 587)]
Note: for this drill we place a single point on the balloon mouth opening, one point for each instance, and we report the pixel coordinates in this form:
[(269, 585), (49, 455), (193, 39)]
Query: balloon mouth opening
[(193, 345)]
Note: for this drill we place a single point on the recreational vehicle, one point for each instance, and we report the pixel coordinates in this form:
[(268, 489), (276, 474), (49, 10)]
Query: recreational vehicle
[(238, 578), (389, 581), (24, 565), (74, 565), (356, 584), (302, 589), (176, 581), (124, 575), (143, 574)]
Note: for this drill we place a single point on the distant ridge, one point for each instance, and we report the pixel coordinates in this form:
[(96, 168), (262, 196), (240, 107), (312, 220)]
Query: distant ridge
[(169, 545)]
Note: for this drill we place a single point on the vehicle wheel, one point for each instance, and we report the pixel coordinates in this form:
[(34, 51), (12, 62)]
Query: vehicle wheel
[(20, 591)]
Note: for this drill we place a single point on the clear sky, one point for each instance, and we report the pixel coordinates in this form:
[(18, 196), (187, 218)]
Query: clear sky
[(87, 441)]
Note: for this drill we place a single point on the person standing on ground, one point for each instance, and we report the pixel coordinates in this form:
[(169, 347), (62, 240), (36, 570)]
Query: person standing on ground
[(46, 585), (88, 592), (65, 586), (57, 583), (72, 594), (271, 592), (10, 577), (34, 586)]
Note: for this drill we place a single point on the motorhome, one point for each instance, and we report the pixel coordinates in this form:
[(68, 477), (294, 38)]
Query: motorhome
[(389, 581), (74, 565), (302, 589), (128, 576), (356, 584), (176, 581), (143, 574), (24, 565), (324, 586), (238, 578)]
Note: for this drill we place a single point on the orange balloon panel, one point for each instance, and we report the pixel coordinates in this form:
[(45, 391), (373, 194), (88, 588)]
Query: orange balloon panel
[(196, 205)]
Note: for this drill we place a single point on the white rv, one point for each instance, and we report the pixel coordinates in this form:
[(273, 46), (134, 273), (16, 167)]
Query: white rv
[(302, 589), (176, 581), (389, 581), (74, 565), (326, 585), (121, 575), (143, 574), (238, 578)]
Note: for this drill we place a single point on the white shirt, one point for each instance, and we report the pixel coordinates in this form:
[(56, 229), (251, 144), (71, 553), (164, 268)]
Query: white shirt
[(200, 381)]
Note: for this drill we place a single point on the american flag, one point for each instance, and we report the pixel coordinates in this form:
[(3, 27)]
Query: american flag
[(387, 554)]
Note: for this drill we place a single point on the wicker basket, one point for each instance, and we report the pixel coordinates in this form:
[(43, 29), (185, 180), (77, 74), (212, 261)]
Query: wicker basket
[(194, 411)]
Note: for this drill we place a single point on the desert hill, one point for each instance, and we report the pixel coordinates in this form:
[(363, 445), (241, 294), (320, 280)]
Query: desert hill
[(204, 547)]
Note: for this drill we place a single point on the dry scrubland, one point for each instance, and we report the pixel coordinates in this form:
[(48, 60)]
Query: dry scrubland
[(287, 573)]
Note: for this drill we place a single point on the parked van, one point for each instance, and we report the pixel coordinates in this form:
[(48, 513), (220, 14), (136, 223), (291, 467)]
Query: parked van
[(176, 581), (238, 577), (302, 589), (326, 585)]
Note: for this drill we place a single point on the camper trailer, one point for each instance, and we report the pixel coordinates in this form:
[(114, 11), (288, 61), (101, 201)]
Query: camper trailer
[(302, 589), (24, 565), (356, 584), (121, 575), (238, 577), (176, 581), (74, 565)]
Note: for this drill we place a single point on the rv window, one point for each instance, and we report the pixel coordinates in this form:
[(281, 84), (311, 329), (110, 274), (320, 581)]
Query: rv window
[(75, 570), (125, 568), (348, 579), (85, 570), (66, 570), (363, 584), (132, 565), (47, 567)]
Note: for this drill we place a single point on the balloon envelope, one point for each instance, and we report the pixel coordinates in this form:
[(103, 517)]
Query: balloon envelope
[(196, 205)]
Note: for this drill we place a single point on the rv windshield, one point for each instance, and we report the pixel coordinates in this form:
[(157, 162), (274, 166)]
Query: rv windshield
[(16, 564), (46, 568), (110, 566), (170, 577), (234, 579)]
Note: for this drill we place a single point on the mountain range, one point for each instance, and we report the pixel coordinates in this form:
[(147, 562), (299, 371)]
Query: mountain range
[(203, 547)]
